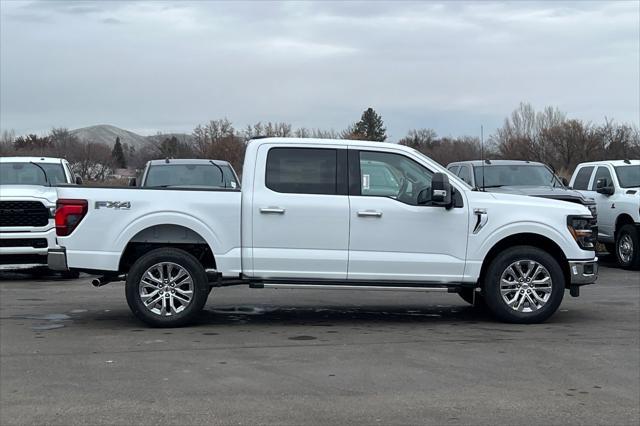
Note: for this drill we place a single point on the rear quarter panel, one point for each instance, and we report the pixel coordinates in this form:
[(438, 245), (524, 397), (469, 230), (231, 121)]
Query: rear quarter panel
[(101, 237)]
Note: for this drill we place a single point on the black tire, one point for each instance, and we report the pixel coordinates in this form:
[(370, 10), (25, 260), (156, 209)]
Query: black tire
[(492, 290), (627, 237), (184, 260), (467, 295)]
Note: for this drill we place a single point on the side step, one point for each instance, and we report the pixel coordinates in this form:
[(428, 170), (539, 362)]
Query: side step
[(354, 287)]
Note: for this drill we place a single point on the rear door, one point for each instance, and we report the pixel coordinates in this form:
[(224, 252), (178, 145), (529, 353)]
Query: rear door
[(300, 212), (392, 237)]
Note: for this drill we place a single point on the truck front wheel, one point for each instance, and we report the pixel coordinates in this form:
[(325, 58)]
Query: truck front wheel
[(523, 285), (167, 287), (628, 247)]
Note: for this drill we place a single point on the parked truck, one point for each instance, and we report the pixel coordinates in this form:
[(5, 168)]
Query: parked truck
[(328, 214), (615, 185), (27, 207), (187, 173)]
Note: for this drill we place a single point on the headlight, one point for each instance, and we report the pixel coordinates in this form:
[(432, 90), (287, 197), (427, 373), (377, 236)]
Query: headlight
[(583, 230)]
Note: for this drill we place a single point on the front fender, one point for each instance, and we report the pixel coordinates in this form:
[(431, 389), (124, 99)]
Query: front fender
[(480, 245)]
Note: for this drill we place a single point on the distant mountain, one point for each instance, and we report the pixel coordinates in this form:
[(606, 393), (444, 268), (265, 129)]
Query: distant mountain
[(105, 133)]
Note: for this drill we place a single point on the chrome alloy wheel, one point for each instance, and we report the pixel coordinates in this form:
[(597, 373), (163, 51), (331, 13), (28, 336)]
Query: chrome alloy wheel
[(166, 289), (625, 248), (525, 286)]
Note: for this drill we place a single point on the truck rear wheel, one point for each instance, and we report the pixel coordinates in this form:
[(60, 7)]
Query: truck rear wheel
[(167, 287), (524, 285), (627, 247)]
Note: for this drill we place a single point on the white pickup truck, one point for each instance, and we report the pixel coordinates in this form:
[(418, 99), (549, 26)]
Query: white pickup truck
[(27, 206), (328, 214), (615, 185)]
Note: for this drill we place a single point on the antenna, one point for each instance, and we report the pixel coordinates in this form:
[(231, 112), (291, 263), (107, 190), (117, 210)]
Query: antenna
[(482, 153)]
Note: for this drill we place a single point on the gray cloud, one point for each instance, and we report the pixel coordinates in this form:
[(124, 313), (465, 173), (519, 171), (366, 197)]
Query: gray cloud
[(450, 66)]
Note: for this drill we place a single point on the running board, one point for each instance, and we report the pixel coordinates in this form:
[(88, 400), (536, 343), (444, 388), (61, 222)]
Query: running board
[(355, 287)]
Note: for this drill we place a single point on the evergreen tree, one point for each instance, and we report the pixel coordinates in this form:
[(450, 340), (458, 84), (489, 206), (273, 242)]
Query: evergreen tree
[(370, 127), (117, 155)]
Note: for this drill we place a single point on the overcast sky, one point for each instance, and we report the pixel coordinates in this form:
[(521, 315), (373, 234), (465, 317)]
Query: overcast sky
[(167, 66)]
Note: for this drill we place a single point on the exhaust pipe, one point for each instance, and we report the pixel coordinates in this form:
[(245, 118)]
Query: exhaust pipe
[(106, 279)]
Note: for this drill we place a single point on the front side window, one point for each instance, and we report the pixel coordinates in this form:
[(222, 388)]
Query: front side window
[(393, 175), (302, 170), (31, 174), (601, 173), (628, 176), (582, 178)]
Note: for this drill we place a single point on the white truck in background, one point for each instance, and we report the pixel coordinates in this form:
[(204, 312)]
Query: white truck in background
[(27, 207), (328, 214), (615, 185)]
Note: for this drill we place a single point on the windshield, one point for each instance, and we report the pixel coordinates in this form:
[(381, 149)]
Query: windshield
[(30, 174), (628, 176), (515, 175), (191, 175)]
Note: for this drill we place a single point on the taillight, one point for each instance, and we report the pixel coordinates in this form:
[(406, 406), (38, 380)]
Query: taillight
[(69, 213)]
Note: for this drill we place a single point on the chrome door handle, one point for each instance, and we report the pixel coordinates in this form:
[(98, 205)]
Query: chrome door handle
[(276, 210), (369, 213)]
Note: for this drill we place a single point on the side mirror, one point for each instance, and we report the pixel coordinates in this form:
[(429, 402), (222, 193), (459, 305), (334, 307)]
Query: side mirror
[(441, 190), (564, 180), (132, 181), (603, 187), (78, 180)]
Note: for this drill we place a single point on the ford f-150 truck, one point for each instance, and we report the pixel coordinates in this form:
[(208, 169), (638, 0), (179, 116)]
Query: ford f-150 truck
[(616, 187), (27, 206), (328, 214)]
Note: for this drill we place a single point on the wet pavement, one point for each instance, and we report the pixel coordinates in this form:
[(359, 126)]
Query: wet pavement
[(73, 354)]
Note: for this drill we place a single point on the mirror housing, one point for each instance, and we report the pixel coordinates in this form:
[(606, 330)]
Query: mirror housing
[(440, 190), (603, 187), (78, 180), (132, 181), (564, 180)]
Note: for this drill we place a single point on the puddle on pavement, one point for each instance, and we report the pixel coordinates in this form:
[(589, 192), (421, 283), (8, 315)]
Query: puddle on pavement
[(47, 326)]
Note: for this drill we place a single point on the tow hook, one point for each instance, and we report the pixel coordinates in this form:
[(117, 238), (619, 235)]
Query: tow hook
[(106, 279), (574, 291)]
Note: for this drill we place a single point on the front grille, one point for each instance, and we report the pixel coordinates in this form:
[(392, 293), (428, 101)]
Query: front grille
[(23, 213), (24, 242)]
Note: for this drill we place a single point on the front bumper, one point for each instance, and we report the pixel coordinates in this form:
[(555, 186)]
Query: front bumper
[(583, 272), (25, 249)]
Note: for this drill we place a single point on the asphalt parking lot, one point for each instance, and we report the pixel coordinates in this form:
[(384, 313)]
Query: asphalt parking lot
[(73, 354)]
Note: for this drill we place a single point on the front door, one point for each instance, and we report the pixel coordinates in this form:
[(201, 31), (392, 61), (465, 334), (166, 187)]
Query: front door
[(393, 237), (300, 213)]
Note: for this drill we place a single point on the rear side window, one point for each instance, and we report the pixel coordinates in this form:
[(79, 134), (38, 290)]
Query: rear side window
[(582, 178), (602, 173), (302, 170)]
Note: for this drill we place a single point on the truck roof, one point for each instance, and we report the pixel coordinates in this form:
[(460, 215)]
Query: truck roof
[(613, 163), (498, 163), (180, 161), (343, 142), (30, 160)]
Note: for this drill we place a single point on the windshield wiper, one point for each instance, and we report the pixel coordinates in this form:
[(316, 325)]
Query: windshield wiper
[(492, 186), (46, 179)]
